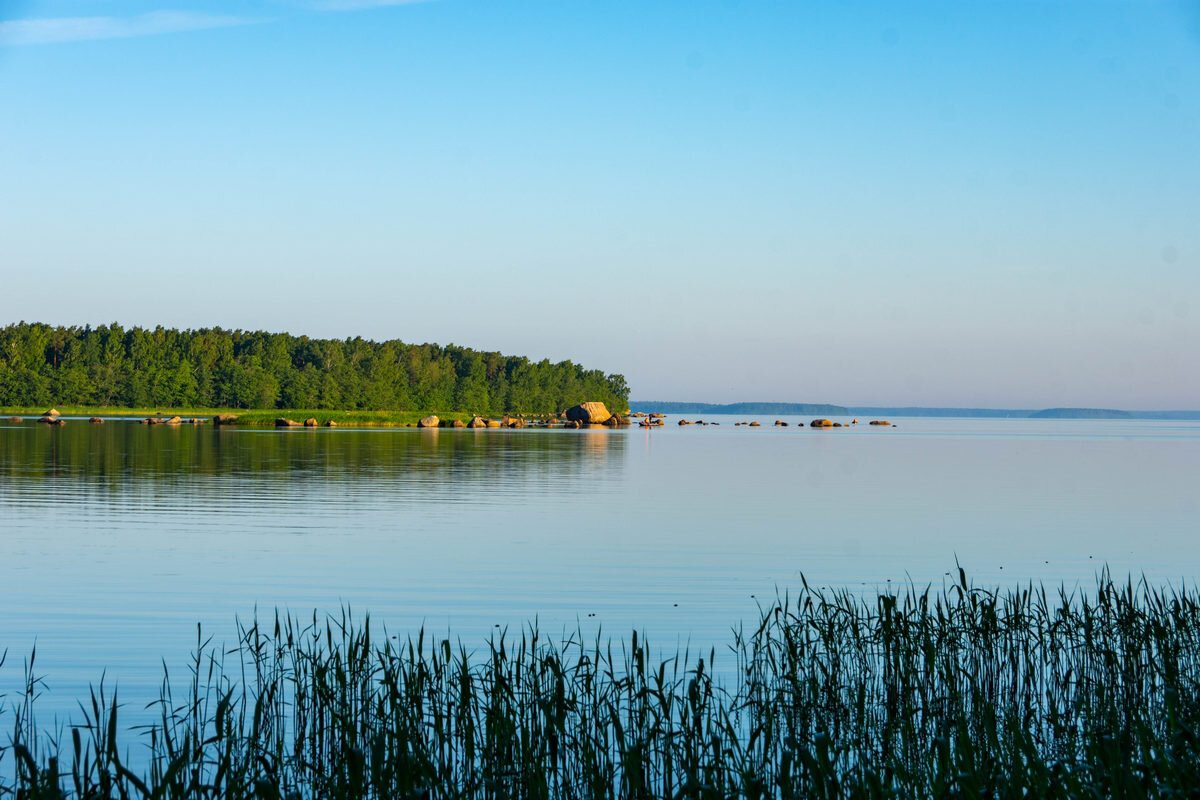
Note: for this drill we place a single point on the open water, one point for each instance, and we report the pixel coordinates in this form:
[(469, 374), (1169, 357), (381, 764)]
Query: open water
[(116, 540)]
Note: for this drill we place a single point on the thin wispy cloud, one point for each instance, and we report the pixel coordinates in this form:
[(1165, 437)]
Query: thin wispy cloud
[(53, 30)]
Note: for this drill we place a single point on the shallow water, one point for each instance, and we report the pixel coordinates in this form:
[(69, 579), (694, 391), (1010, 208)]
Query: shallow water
[(117, 539)]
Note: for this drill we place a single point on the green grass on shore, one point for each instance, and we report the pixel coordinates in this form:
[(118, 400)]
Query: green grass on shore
[(953, 693), (253, 417)]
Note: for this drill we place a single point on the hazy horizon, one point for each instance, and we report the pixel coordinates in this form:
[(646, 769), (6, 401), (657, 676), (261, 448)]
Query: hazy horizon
[(936, 204)]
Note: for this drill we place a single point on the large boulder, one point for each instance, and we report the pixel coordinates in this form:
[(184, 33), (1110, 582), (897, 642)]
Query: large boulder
[(311, 422), (493, 423), (51, 413), (175, 420), (821, 423), (428, 422), (224, 419), (477, 422), (282, 422), (590, 413), (96, 421), (452, 423), (331, 424), (615, 421)]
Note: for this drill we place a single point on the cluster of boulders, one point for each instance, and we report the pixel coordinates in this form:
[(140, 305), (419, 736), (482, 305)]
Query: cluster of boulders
[(584, 414), (655, 419), (588, 414), (158, 419)]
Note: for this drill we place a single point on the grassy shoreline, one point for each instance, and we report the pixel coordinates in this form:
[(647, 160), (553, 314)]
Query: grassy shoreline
[(250, 417), (957, 692)]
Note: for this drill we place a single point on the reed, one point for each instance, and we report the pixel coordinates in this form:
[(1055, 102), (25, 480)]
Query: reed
[(957, 691)]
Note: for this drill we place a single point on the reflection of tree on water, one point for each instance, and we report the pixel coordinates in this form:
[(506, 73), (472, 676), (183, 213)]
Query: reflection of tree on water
[(201, 462)]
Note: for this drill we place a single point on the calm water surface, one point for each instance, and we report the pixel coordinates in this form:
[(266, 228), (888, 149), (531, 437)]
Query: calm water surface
[(116, 540)]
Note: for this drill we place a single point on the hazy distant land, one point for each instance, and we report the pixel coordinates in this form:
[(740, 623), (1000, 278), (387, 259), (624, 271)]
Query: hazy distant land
[(827, 409)]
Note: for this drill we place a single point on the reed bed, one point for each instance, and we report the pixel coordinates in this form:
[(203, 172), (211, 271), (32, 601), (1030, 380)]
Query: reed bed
[(956, 692)]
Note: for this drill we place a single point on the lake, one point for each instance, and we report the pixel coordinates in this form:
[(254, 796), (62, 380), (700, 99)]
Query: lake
[(117, 539)]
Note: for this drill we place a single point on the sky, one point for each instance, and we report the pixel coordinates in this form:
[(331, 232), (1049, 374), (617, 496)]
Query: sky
[(989, 204)]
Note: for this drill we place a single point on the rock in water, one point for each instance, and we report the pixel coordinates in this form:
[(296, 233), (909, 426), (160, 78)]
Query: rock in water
[(96, 421), (821, 423), (311, 422), (476, 422), (428, 422), (331, 424), (590, 413), (286, 423), (51, 413), (224, 419)]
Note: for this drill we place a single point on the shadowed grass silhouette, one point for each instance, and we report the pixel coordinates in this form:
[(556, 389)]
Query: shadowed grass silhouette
[(953, 692)]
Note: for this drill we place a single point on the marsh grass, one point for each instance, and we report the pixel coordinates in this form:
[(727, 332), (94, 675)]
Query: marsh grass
[(950, 692)]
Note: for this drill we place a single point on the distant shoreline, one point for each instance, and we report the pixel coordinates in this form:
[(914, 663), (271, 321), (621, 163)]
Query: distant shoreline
[(827, 409)]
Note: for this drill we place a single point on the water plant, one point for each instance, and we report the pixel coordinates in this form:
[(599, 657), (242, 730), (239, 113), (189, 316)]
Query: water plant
[(957, 691)]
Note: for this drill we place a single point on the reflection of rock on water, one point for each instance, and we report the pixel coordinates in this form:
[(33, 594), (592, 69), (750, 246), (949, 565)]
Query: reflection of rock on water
[(600, 445)]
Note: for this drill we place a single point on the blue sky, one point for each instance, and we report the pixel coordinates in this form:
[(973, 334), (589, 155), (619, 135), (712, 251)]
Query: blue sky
[(982, 203)]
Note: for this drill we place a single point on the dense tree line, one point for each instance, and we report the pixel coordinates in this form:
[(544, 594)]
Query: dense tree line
[(215, 368)]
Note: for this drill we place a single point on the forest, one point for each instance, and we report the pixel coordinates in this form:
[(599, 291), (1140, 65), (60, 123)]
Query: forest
[(112, 366)]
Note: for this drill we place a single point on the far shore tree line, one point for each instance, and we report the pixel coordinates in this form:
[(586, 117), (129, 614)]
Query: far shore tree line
[(214, 368)]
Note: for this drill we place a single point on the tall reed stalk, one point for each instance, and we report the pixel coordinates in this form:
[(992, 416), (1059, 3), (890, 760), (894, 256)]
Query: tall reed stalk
[(954, 692)]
